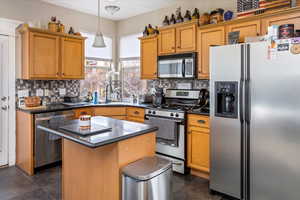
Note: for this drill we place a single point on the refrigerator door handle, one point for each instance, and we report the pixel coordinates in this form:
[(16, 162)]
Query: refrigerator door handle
[(248, 87), (242, 88)]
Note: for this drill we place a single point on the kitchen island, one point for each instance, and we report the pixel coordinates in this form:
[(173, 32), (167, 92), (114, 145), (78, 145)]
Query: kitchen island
[(91, 164)]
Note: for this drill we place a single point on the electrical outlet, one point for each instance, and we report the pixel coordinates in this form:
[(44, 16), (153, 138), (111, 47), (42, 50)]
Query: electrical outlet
[(39, 92), (62, 91), (46, 93)]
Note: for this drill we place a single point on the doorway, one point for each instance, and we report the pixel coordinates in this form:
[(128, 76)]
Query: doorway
[(4, 99)]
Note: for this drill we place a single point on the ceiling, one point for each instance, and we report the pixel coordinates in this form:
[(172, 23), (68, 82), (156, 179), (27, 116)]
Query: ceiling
[(129, 8)]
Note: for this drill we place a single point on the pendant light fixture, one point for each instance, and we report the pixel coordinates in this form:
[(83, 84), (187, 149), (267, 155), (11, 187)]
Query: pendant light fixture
[(99, 40)]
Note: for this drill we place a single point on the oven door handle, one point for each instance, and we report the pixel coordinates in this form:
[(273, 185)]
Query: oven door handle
[(175, 120)]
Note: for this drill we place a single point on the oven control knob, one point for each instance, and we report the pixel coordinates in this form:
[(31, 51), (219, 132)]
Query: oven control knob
[(153, 112), (176, 115), (171, 114), (149, 112)]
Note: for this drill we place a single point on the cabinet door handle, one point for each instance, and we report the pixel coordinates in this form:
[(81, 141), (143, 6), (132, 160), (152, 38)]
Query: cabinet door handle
[(63, 74), (201, 121), (136, 112), (57, 74)]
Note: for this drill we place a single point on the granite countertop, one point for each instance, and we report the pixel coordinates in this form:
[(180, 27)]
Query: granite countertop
[(121, 130), (62, 107)]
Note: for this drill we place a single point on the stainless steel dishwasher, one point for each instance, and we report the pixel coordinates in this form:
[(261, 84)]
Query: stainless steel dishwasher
[(47, 147)]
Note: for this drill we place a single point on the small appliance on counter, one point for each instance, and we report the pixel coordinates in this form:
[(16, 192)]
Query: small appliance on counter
[(158, 97), (73, 101)]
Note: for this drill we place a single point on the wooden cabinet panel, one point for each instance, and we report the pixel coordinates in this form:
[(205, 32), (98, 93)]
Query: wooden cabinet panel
[(83, 111), (109, 111), (136, 112), (198, 151), (199, 121), (149, 58), (44, 56), (207, 38), (166, 41), (247, 29), (25, 142), (293, 18), (72, 55), (186, 38)]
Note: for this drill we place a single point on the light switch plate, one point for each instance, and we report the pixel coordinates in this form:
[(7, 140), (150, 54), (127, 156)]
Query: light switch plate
[(39, 92), (62, 91)]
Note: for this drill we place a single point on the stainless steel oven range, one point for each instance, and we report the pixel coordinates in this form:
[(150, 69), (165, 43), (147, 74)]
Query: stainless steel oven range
[(170, 118)]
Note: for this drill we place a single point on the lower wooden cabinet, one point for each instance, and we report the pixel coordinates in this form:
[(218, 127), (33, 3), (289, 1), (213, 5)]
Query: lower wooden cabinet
[(198, 155), (136, 114)]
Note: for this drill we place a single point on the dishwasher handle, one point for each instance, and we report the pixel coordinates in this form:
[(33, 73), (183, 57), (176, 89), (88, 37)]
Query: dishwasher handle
[(39, 119)]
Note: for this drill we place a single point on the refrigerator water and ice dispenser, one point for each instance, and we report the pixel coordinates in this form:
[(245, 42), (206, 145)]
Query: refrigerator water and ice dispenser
[(226, 99)]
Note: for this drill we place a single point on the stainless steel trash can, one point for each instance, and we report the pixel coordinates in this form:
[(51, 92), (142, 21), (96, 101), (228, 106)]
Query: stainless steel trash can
[(147, 179)]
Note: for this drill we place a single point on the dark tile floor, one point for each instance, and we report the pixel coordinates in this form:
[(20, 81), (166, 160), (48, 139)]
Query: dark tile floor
[(46, 185)]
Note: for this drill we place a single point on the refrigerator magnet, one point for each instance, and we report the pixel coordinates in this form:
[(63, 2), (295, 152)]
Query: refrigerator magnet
[(283, 47), (295, 49)]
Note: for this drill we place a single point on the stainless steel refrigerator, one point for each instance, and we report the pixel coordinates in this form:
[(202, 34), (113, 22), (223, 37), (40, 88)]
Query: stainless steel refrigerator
[(255, 122)]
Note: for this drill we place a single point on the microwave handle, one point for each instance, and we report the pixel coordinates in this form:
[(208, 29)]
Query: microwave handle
[(183, 68)]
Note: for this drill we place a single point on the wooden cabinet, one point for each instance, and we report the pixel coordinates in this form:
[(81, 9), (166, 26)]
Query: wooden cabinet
[(246, 29), (72, 58), (186, 38), (46, 55), (179, 38), (207, 38), (292, 18), (110, 111), (149, 58), (136, 114), (43, 56), (198, 143), (167, 41)]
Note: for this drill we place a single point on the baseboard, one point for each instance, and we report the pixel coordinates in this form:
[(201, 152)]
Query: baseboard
[(200, 174)]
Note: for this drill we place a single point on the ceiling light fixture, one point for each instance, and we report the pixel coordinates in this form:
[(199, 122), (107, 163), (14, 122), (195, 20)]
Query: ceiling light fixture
[(99, 40), (112, 9)]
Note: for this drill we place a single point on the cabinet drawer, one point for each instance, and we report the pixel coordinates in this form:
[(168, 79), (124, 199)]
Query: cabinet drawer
[(110, 111), (198, 121), (136, 112)]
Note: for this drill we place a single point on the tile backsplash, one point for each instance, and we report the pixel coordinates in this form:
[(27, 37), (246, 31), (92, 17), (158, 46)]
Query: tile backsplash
[(174, 83), (48, 86)]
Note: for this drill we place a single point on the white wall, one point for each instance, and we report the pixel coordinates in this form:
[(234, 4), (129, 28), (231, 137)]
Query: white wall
[(36, 10), (137, 24)]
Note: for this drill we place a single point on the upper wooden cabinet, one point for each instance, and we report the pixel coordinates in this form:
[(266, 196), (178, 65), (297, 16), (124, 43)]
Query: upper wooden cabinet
[(186, 38), (207, 38), (148, 57), (72, 58), (42, 54), (246, 29), (292, 18), (167, 41), (178, 38)]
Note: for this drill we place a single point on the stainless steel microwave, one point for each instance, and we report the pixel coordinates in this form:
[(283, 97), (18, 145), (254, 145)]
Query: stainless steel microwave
[(177, 66)]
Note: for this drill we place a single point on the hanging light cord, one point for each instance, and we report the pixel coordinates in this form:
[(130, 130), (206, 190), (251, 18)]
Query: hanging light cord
[(99, 23)]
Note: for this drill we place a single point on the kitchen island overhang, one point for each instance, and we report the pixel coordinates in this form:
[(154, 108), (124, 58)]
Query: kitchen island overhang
[(91, 165)]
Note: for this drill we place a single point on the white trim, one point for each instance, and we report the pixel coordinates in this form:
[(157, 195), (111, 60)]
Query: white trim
[(8, 27)]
